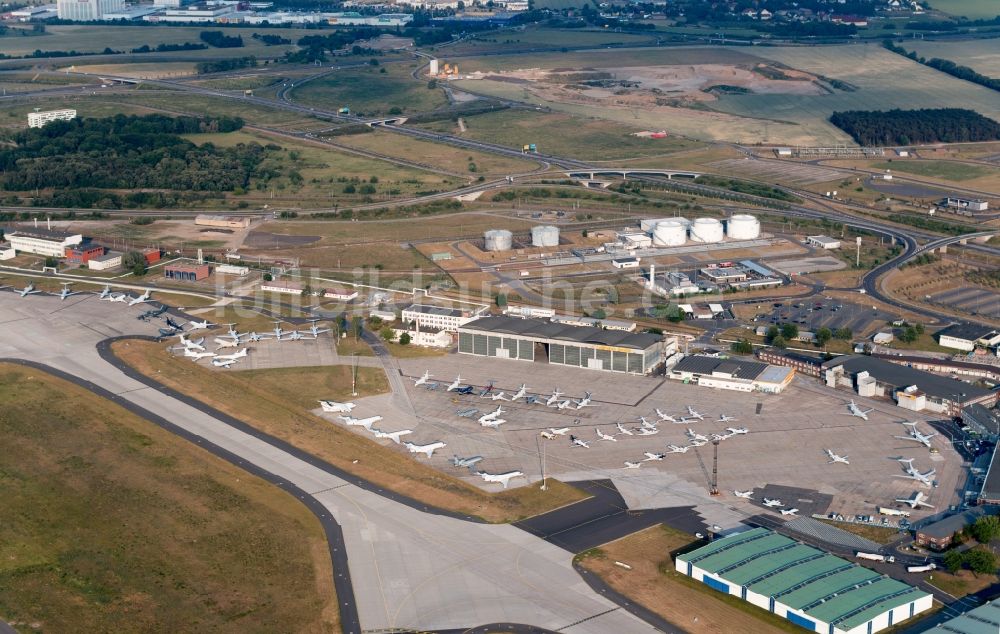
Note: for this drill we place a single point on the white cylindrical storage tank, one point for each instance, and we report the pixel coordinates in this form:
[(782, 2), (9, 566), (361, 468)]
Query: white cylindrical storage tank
[(743, 227), (433, 70), (498, 240), (669, 233), (545, 236), (707, 230)]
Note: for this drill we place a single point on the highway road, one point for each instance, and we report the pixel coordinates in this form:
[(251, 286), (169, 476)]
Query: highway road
[(410, 568)]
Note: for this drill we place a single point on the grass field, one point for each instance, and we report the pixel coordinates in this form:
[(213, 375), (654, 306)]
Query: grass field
[(614, 58), (982, 55), (437, 154), (972, 9), (586, 138), (653, 583), (372, 92), (326, 173), (533, 37), (90, 39), (315, 384), (271, 411), (447, 226), (938, 170), (961, 583), (114, 525), (246, 82), (140, 70)]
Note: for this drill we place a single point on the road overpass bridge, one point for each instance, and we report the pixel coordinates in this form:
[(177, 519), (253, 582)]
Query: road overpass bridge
[(591, 173)]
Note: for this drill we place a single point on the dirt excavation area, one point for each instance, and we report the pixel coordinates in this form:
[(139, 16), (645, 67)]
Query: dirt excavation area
[(668, 86)]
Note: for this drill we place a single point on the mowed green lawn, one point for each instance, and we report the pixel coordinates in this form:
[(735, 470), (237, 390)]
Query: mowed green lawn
[(110, 524), (90, 38), (946, 170), (372, 92)]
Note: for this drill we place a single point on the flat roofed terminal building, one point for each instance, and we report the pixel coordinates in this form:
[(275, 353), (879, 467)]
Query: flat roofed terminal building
[(586, 347), (810, 588)]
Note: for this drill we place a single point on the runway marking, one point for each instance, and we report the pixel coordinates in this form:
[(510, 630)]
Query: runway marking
[(589, 618)]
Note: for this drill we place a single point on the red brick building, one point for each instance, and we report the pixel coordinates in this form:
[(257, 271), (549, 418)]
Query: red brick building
[(151, 255), (82, 253), (186, 272)]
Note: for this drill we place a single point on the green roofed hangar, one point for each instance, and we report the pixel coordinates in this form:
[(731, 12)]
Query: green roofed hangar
[(587, 347), (812, 589)]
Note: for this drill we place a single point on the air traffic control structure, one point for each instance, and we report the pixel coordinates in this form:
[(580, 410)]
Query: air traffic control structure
[(812, 589)]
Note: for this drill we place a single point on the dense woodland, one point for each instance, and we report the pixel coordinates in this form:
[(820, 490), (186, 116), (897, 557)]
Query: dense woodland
[(128, 152), (903, 127)]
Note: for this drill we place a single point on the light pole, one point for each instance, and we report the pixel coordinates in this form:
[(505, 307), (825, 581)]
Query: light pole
[(354, 374)]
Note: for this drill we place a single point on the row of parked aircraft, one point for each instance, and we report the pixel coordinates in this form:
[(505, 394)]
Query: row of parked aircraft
[(106, 294), (194, 349), (428, 449)]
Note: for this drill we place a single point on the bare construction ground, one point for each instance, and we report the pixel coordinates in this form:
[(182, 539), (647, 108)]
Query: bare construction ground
[(785, 444)]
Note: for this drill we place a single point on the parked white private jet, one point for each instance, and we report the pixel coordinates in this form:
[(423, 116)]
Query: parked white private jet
[(563, 404), (65, 292), (917, 499), (428, 449), (726, 419), (576, 442), (914, 474), (632, 465), (457, 383), (646, 424), (793, 512), (915, 435), (666, 417), (142, 298), (191, 344), (423, 378), (653, 456), (772, 504), (547, 435), (106, 292), (367, 423), (623, 430), (502, 478), (391, 435), (835, 458), (560, 431), (697, 443), (647, 431), (496, 396), (585, 401), (194, 354), (315, 331), (493, 423), (27, 290), (602, 436), (335, 406), (854, 410), (556, 395), (693, 435), (495, 413), (746, 495), (226, 343), (226, 360), (677, 449), (694, 414), (199, 325), (521, 392), (737, 431)]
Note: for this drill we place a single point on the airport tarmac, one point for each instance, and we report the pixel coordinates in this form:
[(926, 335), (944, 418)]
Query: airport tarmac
[(410, 569), (785, 446)]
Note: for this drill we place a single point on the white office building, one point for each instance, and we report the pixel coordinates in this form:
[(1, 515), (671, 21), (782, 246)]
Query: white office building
[(86, 10), (43, 241), (38, 119), (439, 317), (108, 261)]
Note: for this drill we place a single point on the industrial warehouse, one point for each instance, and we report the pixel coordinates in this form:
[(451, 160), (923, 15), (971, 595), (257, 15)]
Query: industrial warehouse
[(579, 346), (812, 589)]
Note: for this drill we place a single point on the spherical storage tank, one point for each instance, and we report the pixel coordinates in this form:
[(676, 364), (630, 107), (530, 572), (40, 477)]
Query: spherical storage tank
[(498, 240), (743, 227), (545, 236), (706, 230), (669, 233)]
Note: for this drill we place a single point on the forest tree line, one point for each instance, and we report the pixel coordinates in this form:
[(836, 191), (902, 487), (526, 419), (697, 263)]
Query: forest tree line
[(927, 125)]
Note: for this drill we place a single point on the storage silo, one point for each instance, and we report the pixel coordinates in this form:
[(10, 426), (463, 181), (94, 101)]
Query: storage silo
[(545, 236), (743, 227), (498, 240), (707, 230), (669, 233), (433, 70)]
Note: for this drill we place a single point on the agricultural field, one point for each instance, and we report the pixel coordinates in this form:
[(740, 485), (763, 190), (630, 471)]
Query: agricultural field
[(371, 91), (972, 9), (981, 55), (777, 95), (93, 39), (536, 37), (112, 524), (562, 134), (140, 70), (469, 163)]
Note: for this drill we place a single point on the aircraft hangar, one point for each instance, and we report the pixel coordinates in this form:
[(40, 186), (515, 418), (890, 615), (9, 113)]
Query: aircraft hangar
[(585, 347), (810, 588)]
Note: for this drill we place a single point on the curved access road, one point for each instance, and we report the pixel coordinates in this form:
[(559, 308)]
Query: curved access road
[(408, 566)]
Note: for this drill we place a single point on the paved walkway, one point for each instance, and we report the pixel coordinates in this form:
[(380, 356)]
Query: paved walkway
[(410, 569)]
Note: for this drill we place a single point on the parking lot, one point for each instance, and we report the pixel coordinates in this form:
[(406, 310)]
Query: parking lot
[(788, 434), (975, 301), (816, 313)]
